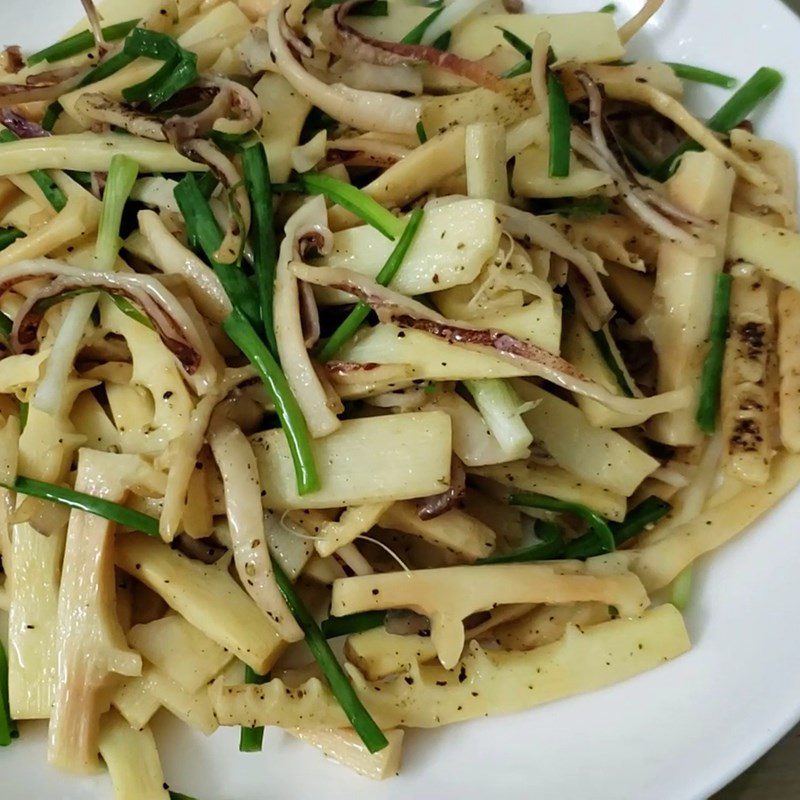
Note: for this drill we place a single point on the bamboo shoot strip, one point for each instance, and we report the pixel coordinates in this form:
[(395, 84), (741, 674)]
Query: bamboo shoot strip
[(362, 722), (735, 111), (550, 546), (355, 201), (265, 248), (356, 317), (49, 188), (352, 623), (8, 728), (598, 525), (712, 368), (359, 717), (80, 43), (646, 513), (251, 740)]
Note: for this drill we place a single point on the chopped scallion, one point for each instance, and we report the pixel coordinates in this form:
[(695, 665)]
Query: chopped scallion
[(352, 623), (202, 228), (712, 368), (80, 43), (602, 339), (520, 68), (49, 187), (735, 111), (520, 45), (551, 545), (421, 133), (414, 36), (357, 316), (646, 513), (598, 525), (8, 236), (122, 174), (701, 75), (88, 503), (560, 126), (363, 724), (179, 70), (8, 728), (251, 740), (355, 201), (265, 247)]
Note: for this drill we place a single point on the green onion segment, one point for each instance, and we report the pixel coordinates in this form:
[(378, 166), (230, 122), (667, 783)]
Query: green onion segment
[(355, 319), (711, 378), (80, 43)]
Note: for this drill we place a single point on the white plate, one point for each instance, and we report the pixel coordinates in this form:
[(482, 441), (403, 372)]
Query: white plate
[(677, 733)]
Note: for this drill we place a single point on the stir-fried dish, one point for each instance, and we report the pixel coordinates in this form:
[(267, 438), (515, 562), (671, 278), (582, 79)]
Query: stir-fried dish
[(442, 331)]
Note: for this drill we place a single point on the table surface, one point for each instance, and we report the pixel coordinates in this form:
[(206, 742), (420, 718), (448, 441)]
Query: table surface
[(777, 775)]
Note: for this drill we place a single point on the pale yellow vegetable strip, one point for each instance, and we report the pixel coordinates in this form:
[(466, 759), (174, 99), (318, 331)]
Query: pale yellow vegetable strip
[(91, 644), (201, 658), (774, 250), (91, 152), (206, 596), (583, 37), (378, 653), (353, 471), (448, 595), (747, 413), (455, 531), (354, 521), (132, 760), (681, 310), (663, 556), (789, 354), (495, 682), (601, 456)]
